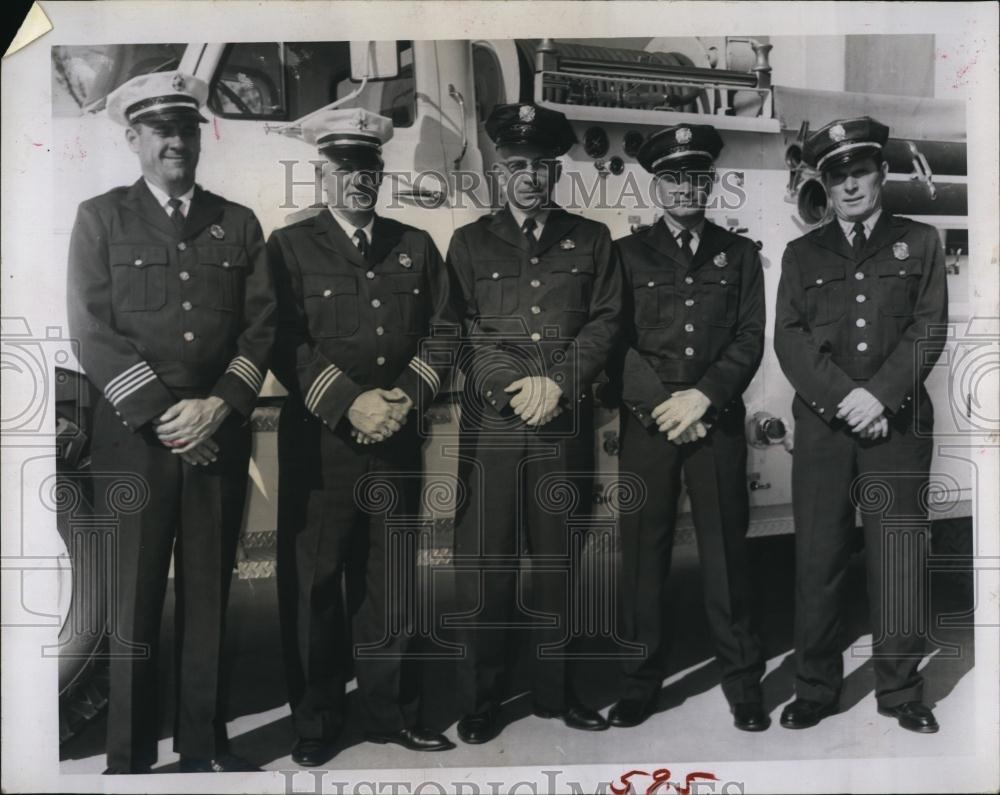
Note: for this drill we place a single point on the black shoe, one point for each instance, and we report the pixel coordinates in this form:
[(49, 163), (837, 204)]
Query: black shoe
[(223, 763), (135, 770), (913, 716), (575, 716), (312, 751), (629, 712), (479, 728), (413, 739), (749, 716), (803, 713)]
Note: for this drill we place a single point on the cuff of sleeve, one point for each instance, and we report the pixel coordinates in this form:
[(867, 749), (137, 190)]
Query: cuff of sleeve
[(494, 391), (892, 400), (138, 396), (826, 406), (642, 413), (572, 392), (331, 394), (716, 393), (240, 385), (420, 382)]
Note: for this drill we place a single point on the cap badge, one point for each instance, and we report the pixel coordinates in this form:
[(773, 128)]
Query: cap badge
[(526, 113), (405, 261), (217, 231), (178, 83), (720, 260), (567, 244), (684, 135), (900, 250), (837, 133)]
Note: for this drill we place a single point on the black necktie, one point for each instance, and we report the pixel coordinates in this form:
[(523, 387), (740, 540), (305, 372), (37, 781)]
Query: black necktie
[(361, 241), (528, 227), (858, 244), (685, 238), (176, 216)]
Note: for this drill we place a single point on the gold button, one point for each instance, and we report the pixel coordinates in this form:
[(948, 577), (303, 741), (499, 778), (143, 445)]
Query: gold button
[(184, 276), (496, 275), (489, 393), (370, 275), (536, 310), (416, 291), (536, 337), (379, 330), (533, 260), (819, 281), (186, 305), (689, 351), (327, 293), (225, 263), (651, 284), (182, 246), (376, 303), (723, 282), (859, 276), (574, 270), (902, 273), (861, 299), (689, 302), (688, 280), (380, 360), (862, 346), (822, 411), (860, 322), (139, 261), (689, 327), (535, 283), (189, 336)]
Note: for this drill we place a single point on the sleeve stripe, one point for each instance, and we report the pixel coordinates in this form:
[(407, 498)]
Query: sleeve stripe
[(125, 383), (319, 387), (247, 371), (123, 378), (136, 386), (425, 371)]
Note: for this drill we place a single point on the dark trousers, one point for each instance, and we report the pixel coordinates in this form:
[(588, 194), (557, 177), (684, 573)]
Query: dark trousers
[(515, 550), (714, 471), (833, 473), (160, 505), (349, 514)]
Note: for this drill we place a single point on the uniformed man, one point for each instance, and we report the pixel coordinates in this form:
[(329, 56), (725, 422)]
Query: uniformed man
[(859, 324), (357, 294), (540, 293), (171, 301), (694, 339)]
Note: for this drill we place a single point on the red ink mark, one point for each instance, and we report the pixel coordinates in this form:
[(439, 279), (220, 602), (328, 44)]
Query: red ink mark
[(215, 127), (660, 776), (34, 144)]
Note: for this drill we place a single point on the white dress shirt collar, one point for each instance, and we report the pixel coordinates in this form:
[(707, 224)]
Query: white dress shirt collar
[(869, 224), (675, 230), (520, 218), (163, 198), (350, 229)]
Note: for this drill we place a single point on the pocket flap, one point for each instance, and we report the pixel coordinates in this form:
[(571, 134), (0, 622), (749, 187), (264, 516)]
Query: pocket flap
[(896, 267), (498, 269), (327, 285), (719, 276), (817, 277), (138, 256), (643, 281), (405, 283), (222, 256), (577, 266)]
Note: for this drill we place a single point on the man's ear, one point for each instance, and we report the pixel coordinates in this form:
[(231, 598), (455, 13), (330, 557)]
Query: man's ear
[(132, 137), (885, 171)]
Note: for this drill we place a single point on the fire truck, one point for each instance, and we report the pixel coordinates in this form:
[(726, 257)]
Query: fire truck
[(438, 94)]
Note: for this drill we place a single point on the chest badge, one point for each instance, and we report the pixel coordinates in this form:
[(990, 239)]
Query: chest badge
[(900, 250), (567, 244), (217, 232), (720, 260), (405, 261)]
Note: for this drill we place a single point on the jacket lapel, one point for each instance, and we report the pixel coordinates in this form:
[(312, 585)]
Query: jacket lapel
[(714, 240), (205, 208), (557, 227), (658, 238), (831, 237), (505, 227), (887, 230), (140, 201), (385, 235), (329, 233)]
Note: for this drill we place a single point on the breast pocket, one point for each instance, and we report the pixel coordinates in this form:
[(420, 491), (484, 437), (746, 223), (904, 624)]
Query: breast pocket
[(331, 304), (655, 299), (138, 277), (720, 297), (571, 283), (825, 291), (898, 285), (496, 287), (223, 272), (409, 293)]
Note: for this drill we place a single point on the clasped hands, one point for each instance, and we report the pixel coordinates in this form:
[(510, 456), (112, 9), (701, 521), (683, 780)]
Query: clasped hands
[(187, 428), (377, 414), (864, 413), (536, 399), (679, 416)]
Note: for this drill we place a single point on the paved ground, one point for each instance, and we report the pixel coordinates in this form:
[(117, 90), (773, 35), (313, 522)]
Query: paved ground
[(692, 723)]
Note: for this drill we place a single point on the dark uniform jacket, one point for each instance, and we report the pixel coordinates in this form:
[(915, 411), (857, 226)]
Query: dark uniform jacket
[(699, 326), (158, 315), (877, 322), (551, 308), (347, 325)]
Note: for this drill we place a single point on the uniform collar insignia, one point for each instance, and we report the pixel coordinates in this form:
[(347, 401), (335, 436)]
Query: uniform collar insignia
[(567, 244), (720, 260), (405, 261), (900, 250), (217, 232)]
